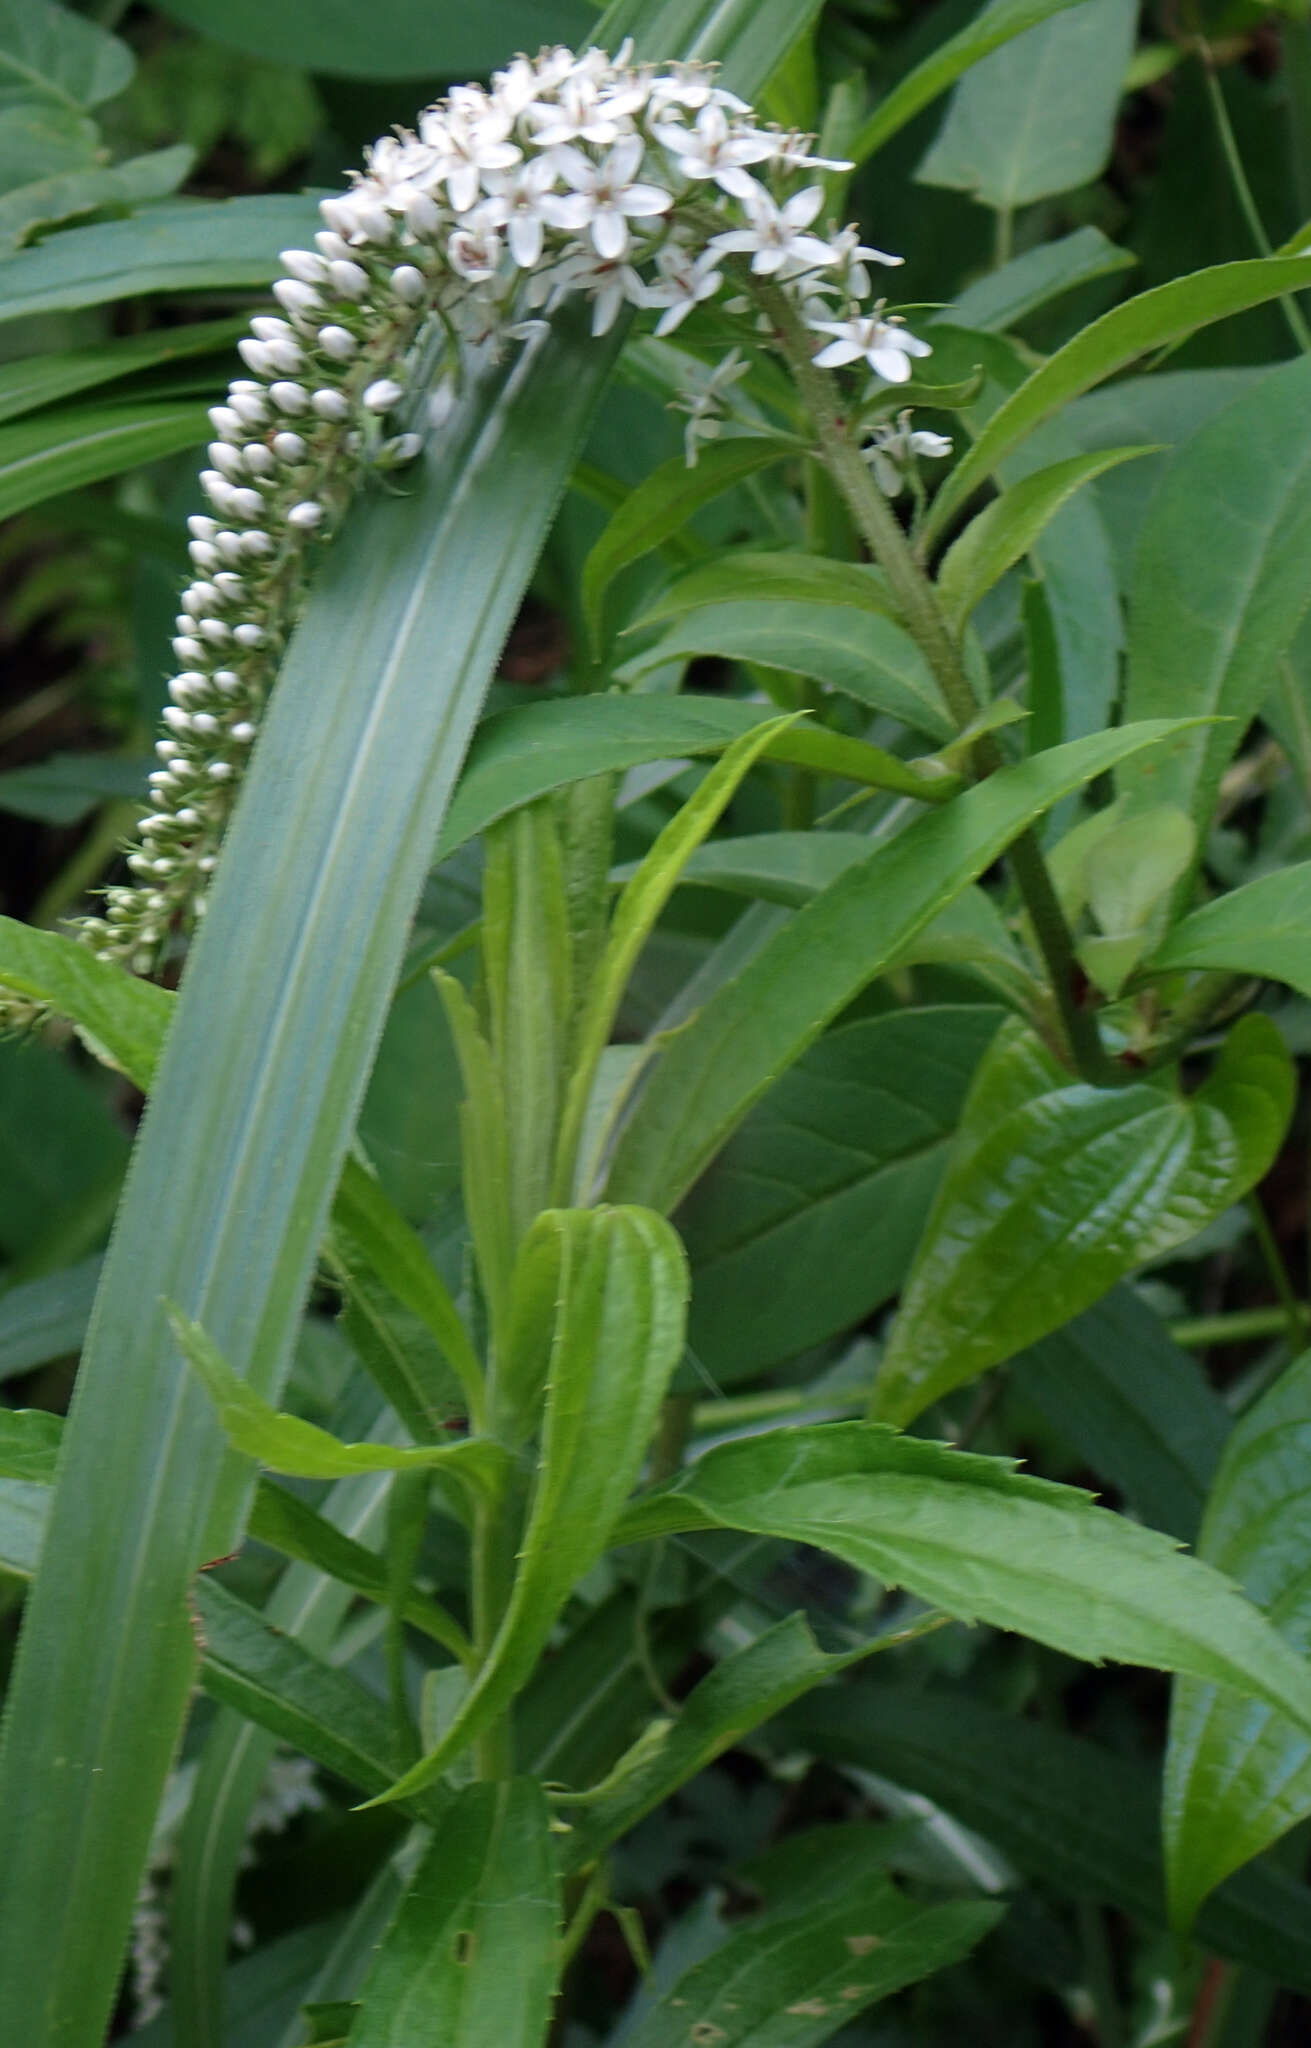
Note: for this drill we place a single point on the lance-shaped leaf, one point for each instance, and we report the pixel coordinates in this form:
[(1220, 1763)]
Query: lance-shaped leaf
[(755, 1025), (1262, 928), (619, 1303), (984, 1542), (1238, 1773), (472, 1955), (121, 1019), (1057, 1197), (49, 453)]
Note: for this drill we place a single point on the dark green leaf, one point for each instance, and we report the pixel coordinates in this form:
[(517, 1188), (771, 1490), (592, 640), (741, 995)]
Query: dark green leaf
[(58, 451), (45, 1319), (47, 49), (29, 1444), (41, 379), (394, 39)]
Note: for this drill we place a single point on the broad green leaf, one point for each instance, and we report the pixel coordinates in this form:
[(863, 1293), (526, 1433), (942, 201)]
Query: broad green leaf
[(46, 1318), (192, 246), (1262, 928), (755, 1025), (519, 755), (89, 188), (1136, 1407), (808, 1219), (988, 31), (264, 1992), (42, 379), (662, 504), (286, 1443), (1150, 320), (856, 651), (61, 450), (1237, 1773), (620, 1302), (739, 1694), (1037, 116), (750, 38), (1063, 1195), (1206, 635), (984, 1542), (471, 1957), (1080, 1817), (29, 1444), (393, 39), (996, 538), (262, 1078), (48, 49), (1003, 297), (795, 1974), (65, 788), (749, 577)]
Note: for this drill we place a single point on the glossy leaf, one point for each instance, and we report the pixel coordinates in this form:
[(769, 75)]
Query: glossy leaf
[(63, 450), (661, 506), (1007, 295), (1007, 528), (808, 1219), (1038, 115), (1073, 1813), (984, 1542), (1150, 320), (793, 1975), (42, 379), (1238, 1774), (1206, 631), (986, 32), (471, 1956), (856, 651), (620, 1301), (756, 1024), (1262, 928), (1062, 1195)]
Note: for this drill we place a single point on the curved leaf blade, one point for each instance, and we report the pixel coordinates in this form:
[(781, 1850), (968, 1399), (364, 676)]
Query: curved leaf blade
[(1262, 928), (76, 445)]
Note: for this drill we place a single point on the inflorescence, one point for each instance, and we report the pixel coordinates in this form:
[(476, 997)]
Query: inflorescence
[(644, 186)]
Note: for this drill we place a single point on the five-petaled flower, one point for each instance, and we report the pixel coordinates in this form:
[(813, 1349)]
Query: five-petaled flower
[(884, 344)]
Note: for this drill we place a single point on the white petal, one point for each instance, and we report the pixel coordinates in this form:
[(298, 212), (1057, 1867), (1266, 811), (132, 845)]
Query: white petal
[(609, 232), (525, 237), (844, 350), (889, 363), (645, 199), (800, 210)]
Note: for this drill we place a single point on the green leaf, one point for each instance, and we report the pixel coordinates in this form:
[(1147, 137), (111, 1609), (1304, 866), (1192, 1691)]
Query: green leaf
[(1065, 1192), (988, 31), (395, 39), (1206, 636), (1007, 528), (41, 379), (748, 577), (619, 1304), (62, 450), (89, 188), (1005, 296), (984, 1542), (1074, 1814), (46, 1318), (522, 754), (48, 49), (750, 38), (1150, 320), (286, 1443), (794, 1975), (808, 1219), (856, 651), (29, 1444), (193, 246), (755, 1025), (471, 1956), (261, 1081), (1238, 1773), (1263, 928), (1037, 116), (661, 506)]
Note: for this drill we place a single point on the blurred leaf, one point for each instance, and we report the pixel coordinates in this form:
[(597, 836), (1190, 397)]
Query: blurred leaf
[(1237, 1774), (121, 1018), (64, 789), (471, 1957), (756, 1024), (60, 450), (45, 1319), (1004, 296), (807, 1220), (48, 49), (749, 575), (62, 1146), (63, 194), (1037, 116), (1051, 1201), (41, 379), (983, 1542), (395, 39), (614, 1282), (1206, 633), (1262, 928), (29, 1444)]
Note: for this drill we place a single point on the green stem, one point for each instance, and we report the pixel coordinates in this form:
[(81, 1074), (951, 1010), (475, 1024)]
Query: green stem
[(1293, 1312), (1233, 1326), (1247, 206), (928, 625), (1099, 1975), (1003, 245)]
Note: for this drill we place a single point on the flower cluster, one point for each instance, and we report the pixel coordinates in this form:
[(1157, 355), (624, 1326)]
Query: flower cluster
[(649, 187)]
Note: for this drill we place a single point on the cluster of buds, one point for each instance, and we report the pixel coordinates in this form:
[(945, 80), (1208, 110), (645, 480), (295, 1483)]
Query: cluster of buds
[(644, 186)]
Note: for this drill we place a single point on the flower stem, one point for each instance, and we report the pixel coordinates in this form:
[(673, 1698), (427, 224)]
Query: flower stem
[(930, 628)]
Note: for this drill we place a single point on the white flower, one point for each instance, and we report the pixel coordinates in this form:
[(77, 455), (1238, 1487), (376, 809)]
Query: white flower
[(604, 196), (607, 281), (894, 447), (850, 258), (791, 151), (714, 148), (775, 239), (515, 203), (474, 253), (706, 402), (469, 136), (579, 111), (884, 344), (684, 282)]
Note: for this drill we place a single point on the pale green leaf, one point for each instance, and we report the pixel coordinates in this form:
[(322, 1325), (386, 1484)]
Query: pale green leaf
[(1262, 928), (748, 576), (59, 451), (1007, 295)]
